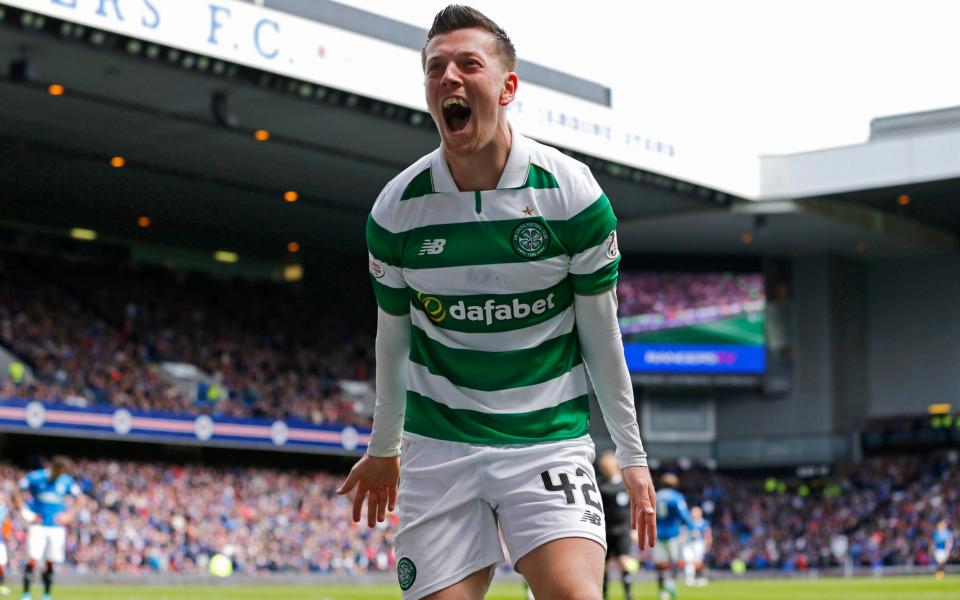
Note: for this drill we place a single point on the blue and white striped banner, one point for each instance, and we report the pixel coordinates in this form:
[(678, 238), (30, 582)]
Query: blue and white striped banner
[(26, 416)]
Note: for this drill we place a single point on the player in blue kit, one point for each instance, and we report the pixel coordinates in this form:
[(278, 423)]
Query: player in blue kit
[(672, 515), (48, 514), (698, 542), (942, 546)]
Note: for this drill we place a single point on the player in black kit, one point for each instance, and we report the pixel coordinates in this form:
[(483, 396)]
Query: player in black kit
[(616, 510)]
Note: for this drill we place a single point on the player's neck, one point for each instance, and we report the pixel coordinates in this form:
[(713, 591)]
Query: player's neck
[(483, 169)]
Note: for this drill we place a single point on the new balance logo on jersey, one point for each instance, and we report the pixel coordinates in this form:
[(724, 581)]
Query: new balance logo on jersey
[(592, 518), (432, 246)]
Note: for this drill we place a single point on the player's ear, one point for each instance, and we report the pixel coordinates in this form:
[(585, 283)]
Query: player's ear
[(509, 89)]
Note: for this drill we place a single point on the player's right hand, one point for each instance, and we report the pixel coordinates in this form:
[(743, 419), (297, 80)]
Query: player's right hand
[(643, 499), (376, 480)]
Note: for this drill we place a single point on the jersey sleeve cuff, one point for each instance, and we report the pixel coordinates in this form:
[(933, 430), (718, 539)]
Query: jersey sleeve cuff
[(392, 300), (632, 460), (383, 451), (598, 281)]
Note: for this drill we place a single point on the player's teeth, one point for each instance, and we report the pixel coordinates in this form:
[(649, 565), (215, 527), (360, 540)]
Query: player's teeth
[(453, 101)]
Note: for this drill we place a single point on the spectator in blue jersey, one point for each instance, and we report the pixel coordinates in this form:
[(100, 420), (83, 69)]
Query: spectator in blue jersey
[(48, 515), (697, 544), (672, 515), (942, 546)]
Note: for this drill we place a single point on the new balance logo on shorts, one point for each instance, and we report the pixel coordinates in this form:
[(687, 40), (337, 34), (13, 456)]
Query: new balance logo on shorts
[(591, 517), (432, 246)]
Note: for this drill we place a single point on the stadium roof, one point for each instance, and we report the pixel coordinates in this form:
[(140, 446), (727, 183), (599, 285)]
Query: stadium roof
[(898, 194), (184, 124), (211, 185), (903, 184)]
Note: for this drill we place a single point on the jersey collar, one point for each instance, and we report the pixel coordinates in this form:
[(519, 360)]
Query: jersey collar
[(514, 173), (518, 163)]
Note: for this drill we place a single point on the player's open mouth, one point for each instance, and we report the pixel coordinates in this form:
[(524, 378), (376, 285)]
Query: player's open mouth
[(456, 114)]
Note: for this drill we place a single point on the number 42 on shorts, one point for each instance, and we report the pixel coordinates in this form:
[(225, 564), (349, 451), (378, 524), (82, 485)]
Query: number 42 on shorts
[(568, 488)]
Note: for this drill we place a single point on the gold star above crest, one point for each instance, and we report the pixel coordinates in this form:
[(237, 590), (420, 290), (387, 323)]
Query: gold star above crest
[(528, 211)]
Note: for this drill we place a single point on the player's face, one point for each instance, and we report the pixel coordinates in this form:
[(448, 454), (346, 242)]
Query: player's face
[(467, 89)]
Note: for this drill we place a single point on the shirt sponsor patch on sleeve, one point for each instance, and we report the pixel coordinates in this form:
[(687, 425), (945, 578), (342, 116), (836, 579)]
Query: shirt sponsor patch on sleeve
[(612, 250), (376, 269)]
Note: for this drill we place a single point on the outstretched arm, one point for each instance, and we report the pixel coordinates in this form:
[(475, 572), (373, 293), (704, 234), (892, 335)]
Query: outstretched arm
[(602, 348), (20, 504), (377, 474)]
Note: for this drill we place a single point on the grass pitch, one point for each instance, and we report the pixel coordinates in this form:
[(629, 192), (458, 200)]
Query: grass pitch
[(885, 588)]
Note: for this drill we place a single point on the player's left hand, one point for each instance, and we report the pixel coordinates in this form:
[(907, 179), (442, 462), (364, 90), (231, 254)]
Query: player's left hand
[(643, 499)]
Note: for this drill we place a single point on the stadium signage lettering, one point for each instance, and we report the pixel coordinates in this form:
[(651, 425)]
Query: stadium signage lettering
[(265, 31), (145, 9), (599, 128), (147, 14), (668, 357)]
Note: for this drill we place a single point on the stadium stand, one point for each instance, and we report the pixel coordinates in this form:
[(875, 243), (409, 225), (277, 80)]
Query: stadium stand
[(155, 517), (881, 514), (171, 519), (98, 334)]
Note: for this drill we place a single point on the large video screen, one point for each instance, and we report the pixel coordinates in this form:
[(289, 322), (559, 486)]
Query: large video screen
[(710, 323)]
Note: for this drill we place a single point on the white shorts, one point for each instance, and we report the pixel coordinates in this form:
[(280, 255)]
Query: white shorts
[(3, 554), (694, 551), (453, 496), (47, 543), (940, 555), (666, 552)]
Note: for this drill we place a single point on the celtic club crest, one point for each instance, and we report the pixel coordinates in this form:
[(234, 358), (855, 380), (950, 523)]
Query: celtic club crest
[(530, 239), (406, 573)]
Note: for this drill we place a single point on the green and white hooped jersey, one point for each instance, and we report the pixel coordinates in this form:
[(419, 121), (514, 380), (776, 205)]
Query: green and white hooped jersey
[(489, 278)]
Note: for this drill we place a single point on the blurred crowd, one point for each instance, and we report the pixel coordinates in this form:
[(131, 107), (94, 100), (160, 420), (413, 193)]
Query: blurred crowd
[(96, 334), (881, 514), (669, 293), (143, 518), (171, 518)]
